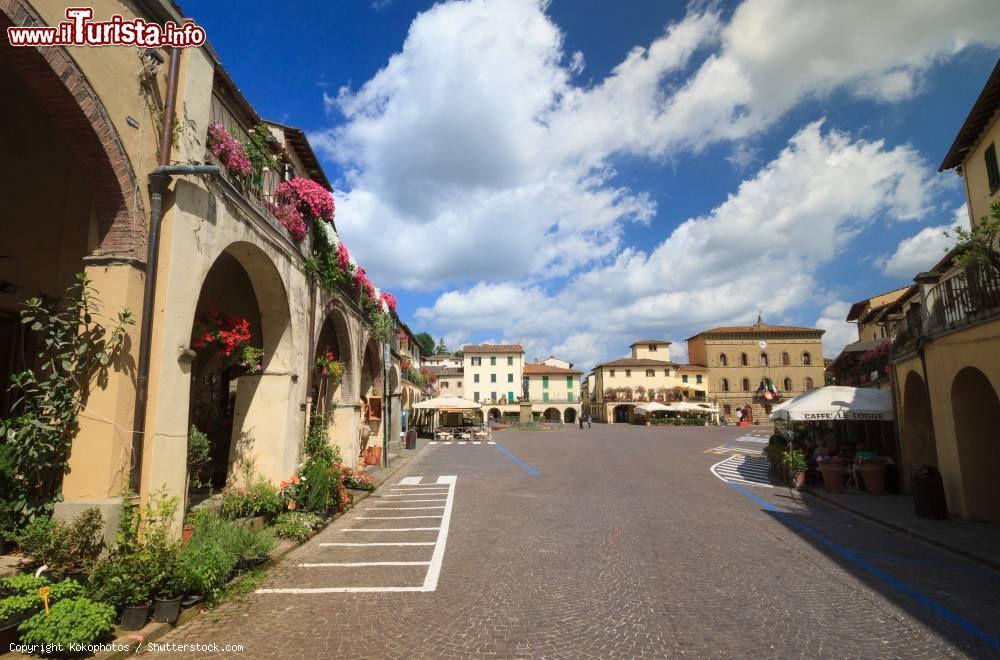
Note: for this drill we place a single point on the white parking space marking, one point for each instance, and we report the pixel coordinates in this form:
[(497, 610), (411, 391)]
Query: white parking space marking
[(434, 565)]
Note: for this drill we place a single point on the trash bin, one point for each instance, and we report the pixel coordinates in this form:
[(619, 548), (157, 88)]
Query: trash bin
[(411, 439), (928, 492)]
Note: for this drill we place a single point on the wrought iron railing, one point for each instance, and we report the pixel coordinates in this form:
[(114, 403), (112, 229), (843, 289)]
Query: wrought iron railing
[(909, 328), (258, 191), (967, 297)]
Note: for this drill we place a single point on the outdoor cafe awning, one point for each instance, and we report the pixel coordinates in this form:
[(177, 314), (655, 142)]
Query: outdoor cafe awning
[(652, 406), (837, 403)]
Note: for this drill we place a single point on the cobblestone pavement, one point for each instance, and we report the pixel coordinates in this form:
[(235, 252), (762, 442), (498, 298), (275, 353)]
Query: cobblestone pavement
[(617, 542)]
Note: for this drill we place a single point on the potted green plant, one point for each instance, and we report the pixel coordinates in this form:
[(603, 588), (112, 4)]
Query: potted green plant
[(794, 461), (832, 468), (872, 471), (168, 589), (70, 622)]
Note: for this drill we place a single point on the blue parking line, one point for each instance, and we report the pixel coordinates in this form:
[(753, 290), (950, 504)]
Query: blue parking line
[(517, 460), (898, 585)]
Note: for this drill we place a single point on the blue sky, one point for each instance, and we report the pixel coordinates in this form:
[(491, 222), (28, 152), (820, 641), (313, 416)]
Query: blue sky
[(512, 173)]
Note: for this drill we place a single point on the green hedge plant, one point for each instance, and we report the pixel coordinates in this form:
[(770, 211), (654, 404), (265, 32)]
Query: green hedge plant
[(69, 623)]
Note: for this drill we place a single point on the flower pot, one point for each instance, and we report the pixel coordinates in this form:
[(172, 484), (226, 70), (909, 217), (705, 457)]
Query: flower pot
[(186, 532), (873, 477), (191, 600), (8, 628), (134, 617), (833, 476), (800, 480), (166, 610)]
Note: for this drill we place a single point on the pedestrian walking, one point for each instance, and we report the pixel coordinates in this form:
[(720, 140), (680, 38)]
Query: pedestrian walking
[(588, 420), (580, 418)]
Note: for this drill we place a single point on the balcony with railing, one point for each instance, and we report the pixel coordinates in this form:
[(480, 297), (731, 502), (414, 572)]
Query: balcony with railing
[(257, 189), (968, 297)]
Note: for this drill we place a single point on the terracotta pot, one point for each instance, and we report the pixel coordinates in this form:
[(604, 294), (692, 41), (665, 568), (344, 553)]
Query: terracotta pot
[(833, 476), (800, 480), (873, 476), (186, 532)]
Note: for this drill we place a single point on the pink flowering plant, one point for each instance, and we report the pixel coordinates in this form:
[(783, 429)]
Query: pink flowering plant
[(229, 151), (389, 300), (291, 219), (312, 200)]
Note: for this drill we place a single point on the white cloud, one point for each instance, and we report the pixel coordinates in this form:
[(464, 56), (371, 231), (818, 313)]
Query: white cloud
[(921, 251), (839, 332), (474, 161), (757, 250)]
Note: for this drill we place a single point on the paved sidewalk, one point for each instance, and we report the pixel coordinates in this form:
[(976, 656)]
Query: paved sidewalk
[(977, 541)]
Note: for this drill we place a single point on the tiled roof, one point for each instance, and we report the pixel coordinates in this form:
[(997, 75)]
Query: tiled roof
[(661, 342), (692, 367), (542, 368), (637, 362), (757, 329), (494, 348), (979, 118)]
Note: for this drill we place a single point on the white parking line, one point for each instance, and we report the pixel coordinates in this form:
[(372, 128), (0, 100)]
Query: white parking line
[(406, 508), (412, 494), (742, 470), (393, 517), (351, 564), (395, 529), (433, 566), (405, 501), (358, 545)]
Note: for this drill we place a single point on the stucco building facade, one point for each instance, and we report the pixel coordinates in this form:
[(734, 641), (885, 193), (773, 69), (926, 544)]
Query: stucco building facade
[(89, 121), (946, 342), (613, 389), (740, 358)]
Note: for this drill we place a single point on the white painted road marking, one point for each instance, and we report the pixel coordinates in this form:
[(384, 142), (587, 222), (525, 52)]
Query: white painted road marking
[(395, 529), (746, 470), (352, 564), (433, 566), (358, 545)]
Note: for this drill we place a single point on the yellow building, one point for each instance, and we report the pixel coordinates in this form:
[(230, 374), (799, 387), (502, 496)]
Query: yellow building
[(865, 362), (740, 358), (82, 134), (613, 389), (946, 329), (554, 390), (493, 372)]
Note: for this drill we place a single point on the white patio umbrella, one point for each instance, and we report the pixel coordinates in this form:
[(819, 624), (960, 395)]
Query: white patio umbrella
[(837, 402), (684, 406), (652, 406)]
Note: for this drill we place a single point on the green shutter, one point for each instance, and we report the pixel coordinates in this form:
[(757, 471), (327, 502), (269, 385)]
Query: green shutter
[(545, 381)]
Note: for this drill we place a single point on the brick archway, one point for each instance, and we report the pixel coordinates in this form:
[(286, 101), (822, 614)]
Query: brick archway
[(72, 104)]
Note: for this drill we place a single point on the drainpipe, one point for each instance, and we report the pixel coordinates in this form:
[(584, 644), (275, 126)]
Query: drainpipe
[(158, 181)]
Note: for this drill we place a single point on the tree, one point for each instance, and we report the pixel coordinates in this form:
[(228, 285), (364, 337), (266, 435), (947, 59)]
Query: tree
[(426, 343), (977, 249), (441, 348), (459, 353)]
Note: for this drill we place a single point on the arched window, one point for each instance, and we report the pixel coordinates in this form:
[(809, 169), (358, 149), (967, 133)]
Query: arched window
[(743, 360), (787, 384), (746, 384), (785, 360), (723, 360), (808, 384), (763, 359), (725, 384), (806, 359)]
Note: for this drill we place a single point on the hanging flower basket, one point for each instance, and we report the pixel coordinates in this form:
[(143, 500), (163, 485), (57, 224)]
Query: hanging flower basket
[(229, 151), (229, 336)]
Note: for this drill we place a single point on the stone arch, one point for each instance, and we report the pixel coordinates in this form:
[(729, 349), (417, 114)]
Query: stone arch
[(335, 333), (552, 415), (66, 96), (621, 413), (917, 425), (243, 282), (975, 409), (493, 413), (569, 416)]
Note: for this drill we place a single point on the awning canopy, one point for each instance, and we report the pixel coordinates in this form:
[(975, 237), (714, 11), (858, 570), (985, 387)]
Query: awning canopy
[(836, 402), (652, 406), (447, 403)]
